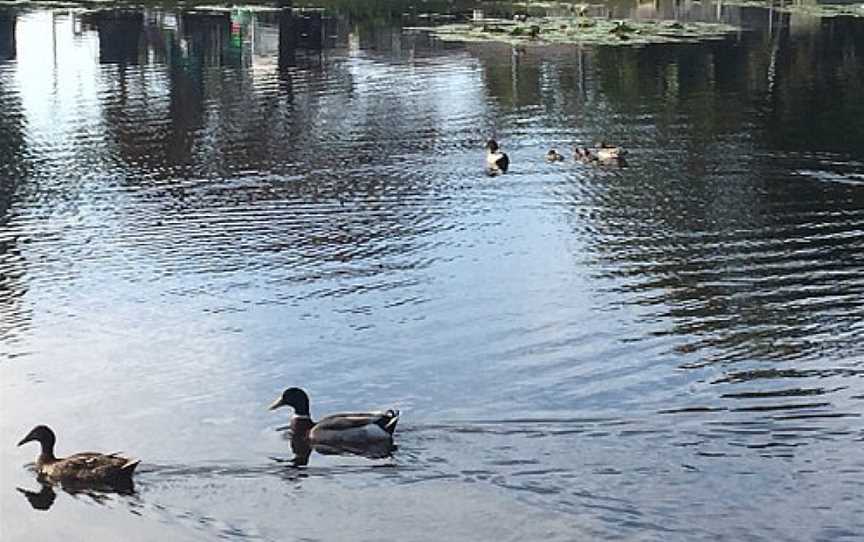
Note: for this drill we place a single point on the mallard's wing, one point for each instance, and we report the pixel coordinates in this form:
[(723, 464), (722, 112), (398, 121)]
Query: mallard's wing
[(348, 420), (610, 153), (498, 160), (364, 433), (503, 163)]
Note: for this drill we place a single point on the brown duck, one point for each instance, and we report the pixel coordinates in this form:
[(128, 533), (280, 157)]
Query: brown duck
[(87, 468)]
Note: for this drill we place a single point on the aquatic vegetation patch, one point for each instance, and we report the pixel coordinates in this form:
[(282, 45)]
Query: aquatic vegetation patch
[(247, 5), (579, 30), (804, 8)]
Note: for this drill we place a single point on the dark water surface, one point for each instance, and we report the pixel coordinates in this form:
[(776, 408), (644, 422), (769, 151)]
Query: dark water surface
[(198, 209)]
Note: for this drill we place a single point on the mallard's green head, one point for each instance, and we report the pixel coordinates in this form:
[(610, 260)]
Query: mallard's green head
[(295, 398)]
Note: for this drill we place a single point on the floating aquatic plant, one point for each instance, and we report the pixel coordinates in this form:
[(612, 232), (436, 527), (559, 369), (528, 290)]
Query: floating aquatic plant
[(804, 8), (580, 29)]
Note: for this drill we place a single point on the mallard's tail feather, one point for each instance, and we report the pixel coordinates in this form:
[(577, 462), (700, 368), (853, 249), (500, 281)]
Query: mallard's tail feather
[(388, 421), (129, 466)]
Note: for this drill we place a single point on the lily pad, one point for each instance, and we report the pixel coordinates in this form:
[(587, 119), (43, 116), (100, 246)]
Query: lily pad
[(804, 8), (579, 30)]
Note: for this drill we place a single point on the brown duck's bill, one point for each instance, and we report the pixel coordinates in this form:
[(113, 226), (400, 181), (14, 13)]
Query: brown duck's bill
[(276, 404)]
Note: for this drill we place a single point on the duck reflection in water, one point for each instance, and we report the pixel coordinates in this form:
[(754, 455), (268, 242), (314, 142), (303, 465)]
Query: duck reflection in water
[(368, 434), (39, 500), (45, 497)]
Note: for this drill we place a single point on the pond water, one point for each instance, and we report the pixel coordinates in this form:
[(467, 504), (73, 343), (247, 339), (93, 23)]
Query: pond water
[(201, 208)]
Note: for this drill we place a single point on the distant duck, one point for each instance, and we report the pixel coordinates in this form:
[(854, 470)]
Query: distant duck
[(583, 154), (581, 10), (496, 161), (353, 432), (602, 154), (606, 152), (554, 156), (87, 468)]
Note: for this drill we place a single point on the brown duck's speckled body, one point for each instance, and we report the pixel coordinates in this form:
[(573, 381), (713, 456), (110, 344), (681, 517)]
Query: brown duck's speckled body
[(87, 468)]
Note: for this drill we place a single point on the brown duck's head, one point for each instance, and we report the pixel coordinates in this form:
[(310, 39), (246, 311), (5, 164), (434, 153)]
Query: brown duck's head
[(295, 398), (492, 145), (41, 434)]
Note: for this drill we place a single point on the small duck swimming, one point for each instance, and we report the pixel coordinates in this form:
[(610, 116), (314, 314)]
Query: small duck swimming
[(583, 154), (87, 468), (601, 154), (554, 156), (606, 152), (496, 161), (352, 432)]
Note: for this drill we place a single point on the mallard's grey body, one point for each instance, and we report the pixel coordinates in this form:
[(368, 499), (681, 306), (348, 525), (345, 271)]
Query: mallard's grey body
[(354, 432)]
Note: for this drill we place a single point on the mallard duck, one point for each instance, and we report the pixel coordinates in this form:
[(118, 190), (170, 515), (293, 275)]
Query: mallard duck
[(602, 154), (554, 156), (496, 161), (607, 153), (85, 468), (354, 432)]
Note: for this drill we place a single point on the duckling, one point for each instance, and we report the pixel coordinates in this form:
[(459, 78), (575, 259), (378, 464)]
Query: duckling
[(583, 154), (496, 161), (353, 432), (554, 156), (87, 468)]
